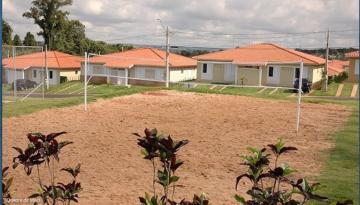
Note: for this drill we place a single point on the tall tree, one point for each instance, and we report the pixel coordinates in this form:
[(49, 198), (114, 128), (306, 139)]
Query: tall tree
[(6, 33), (17, 41), (68, 40), (29, 39), (48, 16)]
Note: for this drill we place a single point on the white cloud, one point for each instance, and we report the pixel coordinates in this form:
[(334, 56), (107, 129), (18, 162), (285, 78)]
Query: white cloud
[(114, 19), (94, 7)]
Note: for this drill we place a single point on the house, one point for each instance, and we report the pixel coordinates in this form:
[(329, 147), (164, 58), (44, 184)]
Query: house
[(337, 67), (353, 71), (139, 66), (32, 66), (262, 64)]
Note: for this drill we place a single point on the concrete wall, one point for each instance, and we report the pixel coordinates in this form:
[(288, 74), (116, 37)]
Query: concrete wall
[(10, 75), (250, 76), (352, 76), (287, 76), (217, 72)]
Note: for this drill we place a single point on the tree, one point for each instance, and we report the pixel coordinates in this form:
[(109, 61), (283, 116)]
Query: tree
[(69, 39), (48, 16), (6, 33), (29, 40), (17, 41)]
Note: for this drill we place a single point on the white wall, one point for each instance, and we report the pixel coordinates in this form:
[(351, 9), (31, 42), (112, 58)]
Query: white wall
[(120, 73), (184, 74), (93, 69), (10, 74), (55, 80)]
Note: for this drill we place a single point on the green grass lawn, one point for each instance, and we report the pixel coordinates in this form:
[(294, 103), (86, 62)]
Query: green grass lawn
[(31, 105), (332, 88), (346, 91), (340, 176), (245, 91)]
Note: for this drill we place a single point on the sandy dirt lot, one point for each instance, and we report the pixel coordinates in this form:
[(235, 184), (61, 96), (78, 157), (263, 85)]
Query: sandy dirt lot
[(219, 127)]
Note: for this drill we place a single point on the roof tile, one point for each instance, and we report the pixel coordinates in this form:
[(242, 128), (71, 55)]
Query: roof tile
[(261, 54)]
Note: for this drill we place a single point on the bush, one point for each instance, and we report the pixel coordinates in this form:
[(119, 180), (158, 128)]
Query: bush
[(6, 185), (341, 77), (271, 185), (45, 150), (162, 151)]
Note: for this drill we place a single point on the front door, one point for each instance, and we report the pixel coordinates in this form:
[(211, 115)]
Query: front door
[(273, 75), (229, 73)]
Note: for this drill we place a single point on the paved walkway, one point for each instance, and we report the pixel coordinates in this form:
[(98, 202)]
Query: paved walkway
[(339, 90), (262, 90), (272, 92), (354, 90)]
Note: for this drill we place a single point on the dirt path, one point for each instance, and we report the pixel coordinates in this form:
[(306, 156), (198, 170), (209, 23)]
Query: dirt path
[(219, 127)]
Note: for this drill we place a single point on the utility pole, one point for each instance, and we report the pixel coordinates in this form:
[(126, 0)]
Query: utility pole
[(327, 62), (46, 69), (167, 57), (15, 71)]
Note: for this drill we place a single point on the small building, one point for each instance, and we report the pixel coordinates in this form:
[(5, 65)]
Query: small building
[(353, 71), (144, 66), (262, 64), (32, 67)]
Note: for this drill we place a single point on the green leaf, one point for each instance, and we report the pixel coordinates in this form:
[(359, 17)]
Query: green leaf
[(174, 179), (240, 199), (9, 182), (287, 169), (144, 152)]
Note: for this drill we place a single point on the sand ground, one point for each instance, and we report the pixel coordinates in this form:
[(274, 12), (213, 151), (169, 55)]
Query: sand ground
[(219, 127)]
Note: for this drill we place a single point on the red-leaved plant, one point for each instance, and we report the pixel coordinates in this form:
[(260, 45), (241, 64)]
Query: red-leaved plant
[(45, 150), (162, 152)]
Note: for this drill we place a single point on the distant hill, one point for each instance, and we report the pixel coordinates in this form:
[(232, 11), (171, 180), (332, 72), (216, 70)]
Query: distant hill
[(334, 53)]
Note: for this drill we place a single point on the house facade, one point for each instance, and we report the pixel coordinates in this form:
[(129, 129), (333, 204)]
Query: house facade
[(258, 65), (144, 66), (32, 67), (353, 70)]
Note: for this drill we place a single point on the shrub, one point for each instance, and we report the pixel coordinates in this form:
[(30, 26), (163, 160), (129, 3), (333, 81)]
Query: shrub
[(271, 185), (341, 77), (6, 184), (45, 150), (162, 151)]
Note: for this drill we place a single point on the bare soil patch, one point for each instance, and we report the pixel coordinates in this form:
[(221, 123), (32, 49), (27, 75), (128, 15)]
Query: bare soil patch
[(219, 127)]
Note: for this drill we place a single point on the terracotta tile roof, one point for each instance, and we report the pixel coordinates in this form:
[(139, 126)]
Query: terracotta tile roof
[(143, 57), (354, 54), (336, 67), (56, 60), (261, 54)]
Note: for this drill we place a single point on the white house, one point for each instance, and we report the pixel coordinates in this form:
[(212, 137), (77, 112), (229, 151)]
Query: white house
[(139, 66), (32, 67)]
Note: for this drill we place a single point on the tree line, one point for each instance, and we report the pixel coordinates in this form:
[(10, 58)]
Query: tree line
[(58, 31)]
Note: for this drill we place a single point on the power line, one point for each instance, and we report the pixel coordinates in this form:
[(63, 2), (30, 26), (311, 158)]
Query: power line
[(260, 34)]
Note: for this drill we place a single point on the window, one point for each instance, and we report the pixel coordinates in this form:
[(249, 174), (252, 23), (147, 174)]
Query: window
[(357, 67), (271, 71), (76, 72), (204, 68), (34, 73), (297, 72), (182, 71), (51, 74), (98, 70)]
